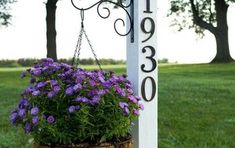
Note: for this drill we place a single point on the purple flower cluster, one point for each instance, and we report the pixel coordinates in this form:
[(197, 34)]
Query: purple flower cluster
[(24, 113), (54, 85)]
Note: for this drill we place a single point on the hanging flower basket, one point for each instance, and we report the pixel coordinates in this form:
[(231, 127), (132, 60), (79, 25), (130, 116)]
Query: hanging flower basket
[(72, 107)]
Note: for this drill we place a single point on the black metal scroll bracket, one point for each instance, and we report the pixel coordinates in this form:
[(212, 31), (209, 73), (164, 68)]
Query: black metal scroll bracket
[(130, 15)]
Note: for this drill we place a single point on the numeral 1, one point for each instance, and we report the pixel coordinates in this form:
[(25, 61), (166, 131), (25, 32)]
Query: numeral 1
[(147, 7)]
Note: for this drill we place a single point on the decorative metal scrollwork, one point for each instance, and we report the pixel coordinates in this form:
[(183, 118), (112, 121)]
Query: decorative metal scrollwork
[(101, 7)]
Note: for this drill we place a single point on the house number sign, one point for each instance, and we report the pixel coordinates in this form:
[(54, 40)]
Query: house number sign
[(142, 70)]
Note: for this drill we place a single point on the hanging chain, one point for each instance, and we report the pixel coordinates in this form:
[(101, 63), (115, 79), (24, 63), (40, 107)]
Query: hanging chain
[(75, 60), (93, 51), (77, 49)]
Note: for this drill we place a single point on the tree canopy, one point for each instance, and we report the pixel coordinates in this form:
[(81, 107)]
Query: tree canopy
[(4, 11)]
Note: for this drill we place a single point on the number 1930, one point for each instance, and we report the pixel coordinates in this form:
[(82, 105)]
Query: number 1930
[(148, 27)]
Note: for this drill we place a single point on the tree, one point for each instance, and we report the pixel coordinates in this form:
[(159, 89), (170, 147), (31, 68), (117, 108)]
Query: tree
[(204, 15), (4, 13), (51, 28)]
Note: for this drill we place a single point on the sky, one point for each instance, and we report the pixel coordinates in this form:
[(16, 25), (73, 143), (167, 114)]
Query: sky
[(26, 36)]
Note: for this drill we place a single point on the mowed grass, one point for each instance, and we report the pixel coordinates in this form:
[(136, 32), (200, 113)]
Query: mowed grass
[(196, 106)]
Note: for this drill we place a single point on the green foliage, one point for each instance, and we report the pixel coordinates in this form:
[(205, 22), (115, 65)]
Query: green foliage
[(185, 17), (27, 62), (164, 60), (8, 63), (4, 11)]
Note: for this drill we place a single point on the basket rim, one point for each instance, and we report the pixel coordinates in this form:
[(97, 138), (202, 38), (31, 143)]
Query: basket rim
[(128, 140)]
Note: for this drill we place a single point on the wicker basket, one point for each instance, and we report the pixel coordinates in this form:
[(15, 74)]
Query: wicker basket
[(124, 144)]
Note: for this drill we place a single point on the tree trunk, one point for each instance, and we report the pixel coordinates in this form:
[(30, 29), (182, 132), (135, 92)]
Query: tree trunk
[(51, 30), (222, 54), (221, 33)]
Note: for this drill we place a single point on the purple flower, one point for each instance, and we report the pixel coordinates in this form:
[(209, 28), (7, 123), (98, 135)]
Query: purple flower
[(101, 79), (29, 90), (54, 82), (95, 100), (77, 87), (81, 99), (61, 76), (65, 66), (28, 127), (120, 91), (34, 111), (138, 98), (56, 89), (93, 92), (22, 112), (23, 74), (133, 99), (114, 78), (72, 109), (107, 84), (50, 119), (51, 94), (23, 103), (13, 117), (36, 93), (48, 60), (141, 106), (101, 92), (69, 91), (130, 91), (123, 105), (121, 78), (128, 86), (92, 83), (136, 112), (126, 111), (77, 107), (45, 68), (55, 66), (68, 73), (36, 72), (41, 84), (36, 65), (35, 120)]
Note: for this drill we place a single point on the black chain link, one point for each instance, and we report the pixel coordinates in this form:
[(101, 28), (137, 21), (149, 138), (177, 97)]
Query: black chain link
[(93, 51), (77, 49), (75, 60)]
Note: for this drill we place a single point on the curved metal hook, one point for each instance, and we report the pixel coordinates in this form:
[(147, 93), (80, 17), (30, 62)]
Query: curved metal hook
[(87, 7), (124, 7)]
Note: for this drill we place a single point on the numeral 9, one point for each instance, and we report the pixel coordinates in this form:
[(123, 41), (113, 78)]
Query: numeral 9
[(151, 30)]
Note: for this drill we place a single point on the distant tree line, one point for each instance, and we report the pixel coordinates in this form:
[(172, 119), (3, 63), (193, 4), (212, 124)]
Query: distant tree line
[(28, 62)]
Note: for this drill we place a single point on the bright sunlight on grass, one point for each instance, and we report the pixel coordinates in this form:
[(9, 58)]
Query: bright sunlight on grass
[(196, 106)]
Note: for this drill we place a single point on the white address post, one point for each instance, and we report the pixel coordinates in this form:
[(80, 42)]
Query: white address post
[(142, 70)]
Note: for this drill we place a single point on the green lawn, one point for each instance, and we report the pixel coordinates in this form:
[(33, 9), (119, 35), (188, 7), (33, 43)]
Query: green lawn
[(196, 106)]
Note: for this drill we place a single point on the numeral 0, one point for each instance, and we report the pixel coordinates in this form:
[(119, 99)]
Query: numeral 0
[(153, 89), (151, 30)]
